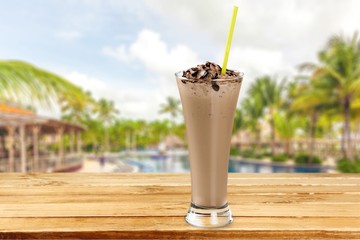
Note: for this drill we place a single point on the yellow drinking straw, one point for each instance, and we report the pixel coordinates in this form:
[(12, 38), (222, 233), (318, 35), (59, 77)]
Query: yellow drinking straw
[(229, 39)]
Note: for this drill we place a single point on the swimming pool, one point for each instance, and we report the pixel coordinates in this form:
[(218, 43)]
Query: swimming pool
[(180, 164)]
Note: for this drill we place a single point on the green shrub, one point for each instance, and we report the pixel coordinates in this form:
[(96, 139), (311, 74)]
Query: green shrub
[(248, 153), (267, 154), (235, 152), (304, 158), (258, 156), (279, 157), (346, 166)]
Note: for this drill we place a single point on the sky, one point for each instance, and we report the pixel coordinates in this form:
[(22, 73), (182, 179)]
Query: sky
[(128, 51)]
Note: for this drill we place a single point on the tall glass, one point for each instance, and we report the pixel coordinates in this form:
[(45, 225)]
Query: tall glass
[(209, 108)]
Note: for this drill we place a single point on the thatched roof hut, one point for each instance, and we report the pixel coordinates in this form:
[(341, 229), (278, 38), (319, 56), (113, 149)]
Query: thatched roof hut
[(173, 141)]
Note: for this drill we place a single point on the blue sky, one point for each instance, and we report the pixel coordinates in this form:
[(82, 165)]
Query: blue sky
[(127, 51)]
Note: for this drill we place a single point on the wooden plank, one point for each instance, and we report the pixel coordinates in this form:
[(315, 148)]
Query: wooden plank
[(115, 197), (176, 208), (179, 189), (265, 206), (128, 176), (176, 223), (176, 228), (58, 179), (197, 234)]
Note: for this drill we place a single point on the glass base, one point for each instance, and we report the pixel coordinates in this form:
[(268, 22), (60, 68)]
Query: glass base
[(209, 217)]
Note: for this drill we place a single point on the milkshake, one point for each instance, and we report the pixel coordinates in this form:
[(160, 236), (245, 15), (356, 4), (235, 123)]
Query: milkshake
[(209, 101)]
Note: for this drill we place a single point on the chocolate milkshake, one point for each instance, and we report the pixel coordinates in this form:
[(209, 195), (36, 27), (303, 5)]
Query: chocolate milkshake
[(209, 101)]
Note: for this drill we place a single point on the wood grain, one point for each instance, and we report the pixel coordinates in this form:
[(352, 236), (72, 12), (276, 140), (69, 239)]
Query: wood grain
[(152, 206)]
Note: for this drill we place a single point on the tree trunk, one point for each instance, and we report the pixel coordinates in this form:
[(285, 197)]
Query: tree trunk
[(346, 141), (287, 147), (343, 147), (106, 140), (355, 142), (313, 122), (272, 132), (258, 139), (239, 145), (239, 133)]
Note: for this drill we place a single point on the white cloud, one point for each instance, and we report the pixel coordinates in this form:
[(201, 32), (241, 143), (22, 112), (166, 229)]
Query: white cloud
[(271, 37), (68, 35), (95, 86), (162, 61), (136, 103), (155, 55), (119, 52), (149, 49), (256, 62), (298, 28)]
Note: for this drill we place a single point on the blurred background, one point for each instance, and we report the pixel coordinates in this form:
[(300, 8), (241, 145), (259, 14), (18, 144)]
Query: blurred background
[(89, 85)]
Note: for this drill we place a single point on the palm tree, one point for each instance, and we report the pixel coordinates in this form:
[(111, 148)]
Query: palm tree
[(239, 120), (158, 129), (172, 106), (125, 130), (286, 125), (106, 112), (77, 110), (93, 134), (270, 93), (22, 82), (310, 102), (253, 112), (239, 123), (355, 107), (338, 73)]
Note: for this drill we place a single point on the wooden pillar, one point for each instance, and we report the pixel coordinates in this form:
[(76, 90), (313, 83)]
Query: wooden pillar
[(79, 143), (60, 135), (35, 133), (72, 141), (23, 149), (10, 142), (3, 143)]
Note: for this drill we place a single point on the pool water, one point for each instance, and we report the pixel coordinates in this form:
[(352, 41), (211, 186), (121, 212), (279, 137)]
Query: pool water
[(180, 164)]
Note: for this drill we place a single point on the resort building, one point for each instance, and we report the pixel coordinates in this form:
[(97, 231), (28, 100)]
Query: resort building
[(31, 143)]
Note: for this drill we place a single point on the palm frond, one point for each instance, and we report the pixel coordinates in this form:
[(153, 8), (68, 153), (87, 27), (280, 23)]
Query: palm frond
[(354, 87), (307, 67), (22, 81)]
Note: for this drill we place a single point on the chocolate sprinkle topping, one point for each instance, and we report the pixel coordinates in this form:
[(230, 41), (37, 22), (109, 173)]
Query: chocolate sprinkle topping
[(208, 71), (215, 86)]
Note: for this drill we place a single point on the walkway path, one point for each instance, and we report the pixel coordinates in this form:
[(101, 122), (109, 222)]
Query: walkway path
[(93, 166)]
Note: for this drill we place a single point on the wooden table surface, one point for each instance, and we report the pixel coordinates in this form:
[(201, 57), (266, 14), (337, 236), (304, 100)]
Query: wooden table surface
[(152, 206)]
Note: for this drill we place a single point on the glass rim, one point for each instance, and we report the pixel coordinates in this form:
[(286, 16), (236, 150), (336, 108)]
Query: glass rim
[(241, 76)]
